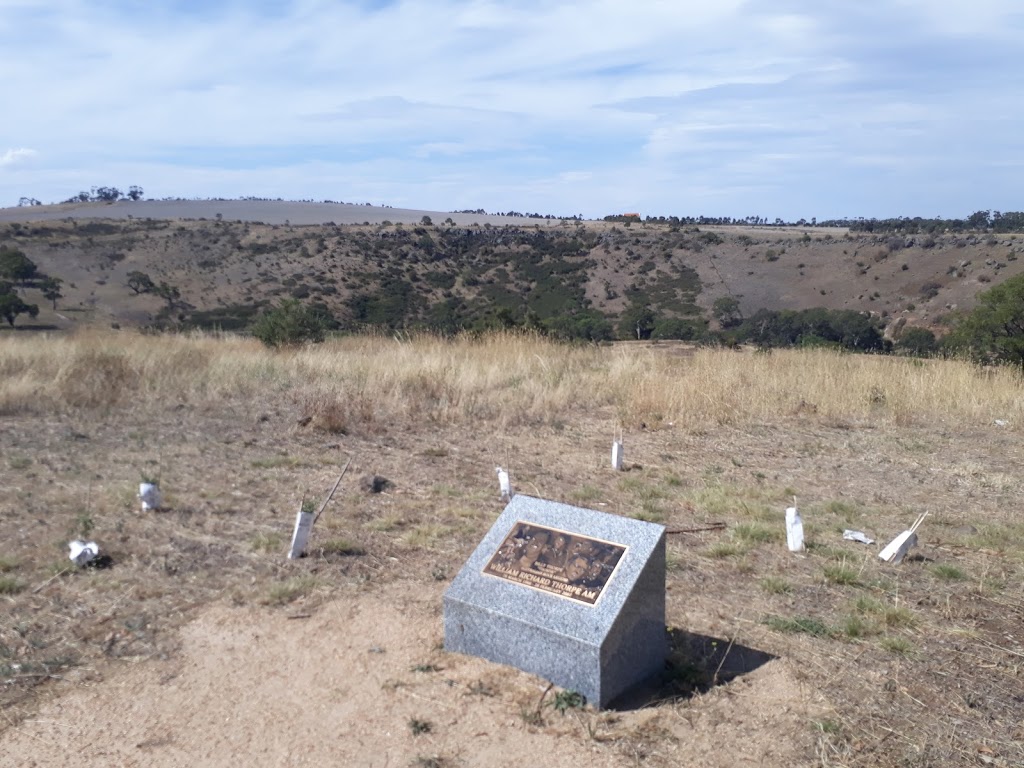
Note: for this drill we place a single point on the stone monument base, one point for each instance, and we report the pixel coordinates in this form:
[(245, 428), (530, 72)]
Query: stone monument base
[(573, 595)]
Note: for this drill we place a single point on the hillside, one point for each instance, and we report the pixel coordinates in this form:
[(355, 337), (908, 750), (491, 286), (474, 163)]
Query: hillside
[(384, 266)]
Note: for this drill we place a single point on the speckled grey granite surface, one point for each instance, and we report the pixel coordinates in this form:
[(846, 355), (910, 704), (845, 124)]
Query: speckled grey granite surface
[(598, 650)]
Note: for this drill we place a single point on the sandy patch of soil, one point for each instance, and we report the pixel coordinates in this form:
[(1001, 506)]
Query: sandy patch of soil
[(346, 684)]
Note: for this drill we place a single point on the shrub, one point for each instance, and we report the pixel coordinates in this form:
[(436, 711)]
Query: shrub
[(677, 328), (918, 342), (290, 323), (11, 306), (990, 333)]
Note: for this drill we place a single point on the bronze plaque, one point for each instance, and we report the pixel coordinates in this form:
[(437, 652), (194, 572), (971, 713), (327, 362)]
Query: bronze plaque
[(564, 564)]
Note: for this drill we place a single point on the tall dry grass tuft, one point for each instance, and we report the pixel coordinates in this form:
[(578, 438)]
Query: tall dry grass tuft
[(504, 379)]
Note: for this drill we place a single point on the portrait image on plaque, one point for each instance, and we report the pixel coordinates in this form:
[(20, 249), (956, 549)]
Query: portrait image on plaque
[(565, 564)]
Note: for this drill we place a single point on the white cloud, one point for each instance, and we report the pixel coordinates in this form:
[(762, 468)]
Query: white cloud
[(15, 156)]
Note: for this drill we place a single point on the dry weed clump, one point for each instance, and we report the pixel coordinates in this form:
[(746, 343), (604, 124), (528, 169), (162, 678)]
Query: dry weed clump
[(335, 413), (506, 379), (96, 378)]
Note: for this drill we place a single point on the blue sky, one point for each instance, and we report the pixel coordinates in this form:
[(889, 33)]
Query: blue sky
[(790, 108)]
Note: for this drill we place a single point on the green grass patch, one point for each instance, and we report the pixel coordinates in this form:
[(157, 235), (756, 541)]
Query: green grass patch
[(566, 700), (841, 574), (448, 491), (753, 502), (464, 513), (290, 590), (898, 617), (426, 536), (898, 645), (642, 488), (7, 564), (672, 480), (277, 462), (774, 585), (890, 615), (855, 626), (340, 547), (266, 542), (849, 511), (989, 587), (586, 494), (1001, 538), (798, 625), (650, 511), (868, 605), (948, 572), (10, 585), (757, 533), (725, 549), (387, 523), (819, 549), (674, 562), (830, 727)]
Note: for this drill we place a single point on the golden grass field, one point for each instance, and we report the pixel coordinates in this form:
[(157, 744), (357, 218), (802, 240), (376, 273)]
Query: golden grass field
[(912, 665), (503, 380)]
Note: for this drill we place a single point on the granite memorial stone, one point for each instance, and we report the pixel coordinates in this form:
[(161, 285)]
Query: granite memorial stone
[(573, 595)]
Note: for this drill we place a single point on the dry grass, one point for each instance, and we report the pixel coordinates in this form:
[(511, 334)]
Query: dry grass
[(242, 434), (507, 379)]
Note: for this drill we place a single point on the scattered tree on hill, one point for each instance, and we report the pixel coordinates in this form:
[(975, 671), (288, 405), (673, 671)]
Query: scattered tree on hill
[(727, 311), (291, 323), (585, 325), (50, 286), (106, 195), (678, 328), (994, 331), (11, 306), (637, 321), (843, 329), (497, 318), (919, 342), (168, 293), (15, 265), (140, 282)]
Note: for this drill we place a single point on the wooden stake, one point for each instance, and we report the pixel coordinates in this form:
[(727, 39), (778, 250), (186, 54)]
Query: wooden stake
[(331, 494), (55, 576), (708, 527)]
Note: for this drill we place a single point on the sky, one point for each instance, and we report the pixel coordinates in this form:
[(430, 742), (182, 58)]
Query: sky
[(788, 108)]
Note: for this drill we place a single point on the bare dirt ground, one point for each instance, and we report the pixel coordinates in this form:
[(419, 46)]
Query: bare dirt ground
[(200, 644), (340, 686)]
